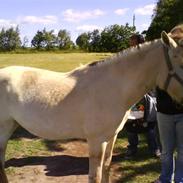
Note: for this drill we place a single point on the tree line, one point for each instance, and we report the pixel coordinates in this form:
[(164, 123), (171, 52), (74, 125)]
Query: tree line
[(113, 38), (43, 40)]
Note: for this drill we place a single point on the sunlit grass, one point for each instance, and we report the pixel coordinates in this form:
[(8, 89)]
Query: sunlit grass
[(52, 61)]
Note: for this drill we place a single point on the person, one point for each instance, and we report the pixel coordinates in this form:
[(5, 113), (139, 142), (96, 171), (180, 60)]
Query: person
[(142, 119), (170, 123), (132, 132), (136, 39)]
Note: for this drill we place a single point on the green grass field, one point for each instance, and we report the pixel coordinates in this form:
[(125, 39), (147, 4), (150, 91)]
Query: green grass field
[(52, 61), (142, 169)]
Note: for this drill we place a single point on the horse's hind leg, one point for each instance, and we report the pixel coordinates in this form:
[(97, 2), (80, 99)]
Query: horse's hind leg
[(107, 160), (6, 130)]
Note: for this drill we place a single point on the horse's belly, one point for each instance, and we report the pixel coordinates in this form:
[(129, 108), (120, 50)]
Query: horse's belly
[(50, 125), (51, 132)]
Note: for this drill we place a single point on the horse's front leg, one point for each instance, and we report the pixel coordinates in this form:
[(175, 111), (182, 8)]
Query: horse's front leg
[(96, 158), (107, 160), (3, 177)]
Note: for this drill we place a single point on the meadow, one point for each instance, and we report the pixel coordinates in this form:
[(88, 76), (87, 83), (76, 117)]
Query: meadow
[(141, 169)]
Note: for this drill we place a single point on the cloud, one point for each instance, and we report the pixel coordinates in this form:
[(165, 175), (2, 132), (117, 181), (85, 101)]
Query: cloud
[(71, 15), (146, 10), (49, 19), (121, 11), (88, 28), (7, 23)]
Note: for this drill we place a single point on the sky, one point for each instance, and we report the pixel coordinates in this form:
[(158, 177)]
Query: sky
[(76, 16)]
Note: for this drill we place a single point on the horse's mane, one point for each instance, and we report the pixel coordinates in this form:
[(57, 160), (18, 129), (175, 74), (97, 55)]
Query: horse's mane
[(124, 54), (95, 63)]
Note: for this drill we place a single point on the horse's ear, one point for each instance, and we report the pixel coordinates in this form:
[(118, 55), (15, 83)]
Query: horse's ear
[(167, 40)]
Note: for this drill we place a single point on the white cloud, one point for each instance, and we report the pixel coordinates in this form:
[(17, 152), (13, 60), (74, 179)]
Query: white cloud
[(7, 23), (146, 10), (121, 11), (49, 19), (88, 28), (71, 15)]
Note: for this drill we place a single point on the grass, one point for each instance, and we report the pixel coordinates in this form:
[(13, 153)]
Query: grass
[(52, 61), (142, 169)]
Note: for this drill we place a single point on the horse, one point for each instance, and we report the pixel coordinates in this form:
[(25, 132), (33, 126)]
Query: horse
[(90, 102)]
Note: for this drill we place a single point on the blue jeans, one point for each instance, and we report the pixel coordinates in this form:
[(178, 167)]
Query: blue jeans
[(171, 137)]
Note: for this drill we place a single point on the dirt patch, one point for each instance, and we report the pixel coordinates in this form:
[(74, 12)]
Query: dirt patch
[(68, 164)]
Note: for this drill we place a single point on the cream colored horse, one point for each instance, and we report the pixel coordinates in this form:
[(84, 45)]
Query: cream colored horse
[(88, 102)]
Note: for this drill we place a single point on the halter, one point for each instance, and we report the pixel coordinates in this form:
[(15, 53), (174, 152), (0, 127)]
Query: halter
[(171, 71)]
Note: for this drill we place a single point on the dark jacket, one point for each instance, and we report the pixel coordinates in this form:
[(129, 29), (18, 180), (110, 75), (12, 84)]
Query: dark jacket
[(165, 104)]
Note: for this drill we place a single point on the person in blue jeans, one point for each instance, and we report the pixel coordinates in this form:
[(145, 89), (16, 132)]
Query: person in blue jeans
[(170, 123), (146, 125)]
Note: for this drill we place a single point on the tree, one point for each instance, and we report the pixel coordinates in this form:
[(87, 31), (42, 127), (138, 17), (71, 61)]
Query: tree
[(83, 41), (38, 40), (10, 39), (44, 39), (95, 41), (64, 40), (165, 18), (2, 39), (112, 39), (49, 39), (116, 37)]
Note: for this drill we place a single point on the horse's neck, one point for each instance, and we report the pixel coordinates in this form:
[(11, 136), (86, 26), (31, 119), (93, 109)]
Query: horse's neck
[(139, 71)]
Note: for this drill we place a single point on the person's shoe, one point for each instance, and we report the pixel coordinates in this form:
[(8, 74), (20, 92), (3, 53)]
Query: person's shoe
[(157, 181), (157, 153), (130, 154)]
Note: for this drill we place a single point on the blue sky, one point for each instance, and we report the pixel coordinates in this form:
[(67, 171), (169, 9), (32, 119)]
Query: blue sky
[(76, 16)]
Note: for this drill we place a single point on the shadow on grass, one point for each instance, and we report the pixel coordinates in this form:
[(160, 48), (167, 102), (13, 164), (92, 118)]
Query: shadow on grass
[(50, 144), (56, 146), (65, 165), (22, 133), (143, 163), (153, 167), (61, 165)]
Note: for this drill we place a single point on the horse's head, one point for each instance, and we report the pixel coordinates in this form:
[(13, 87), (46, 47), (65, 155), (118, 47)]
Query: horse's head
[(173, 73)]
